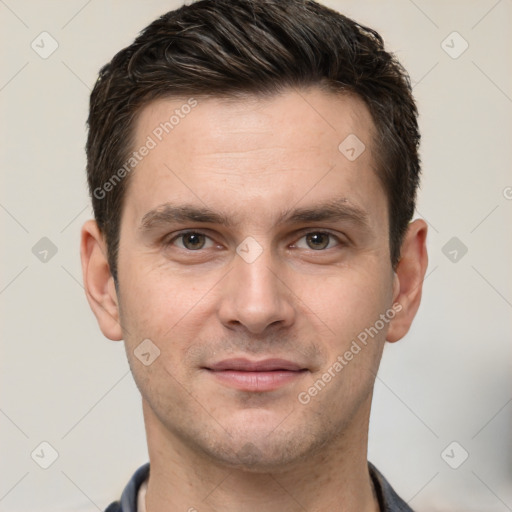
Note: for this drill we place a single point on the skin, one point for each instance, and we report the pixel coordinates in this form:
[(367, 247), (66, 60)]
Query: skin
[(213, 447)]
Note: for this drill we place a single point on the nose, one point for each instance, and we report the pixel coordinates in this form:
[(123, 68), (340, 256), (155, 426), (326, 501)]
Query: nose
[(255, 296)]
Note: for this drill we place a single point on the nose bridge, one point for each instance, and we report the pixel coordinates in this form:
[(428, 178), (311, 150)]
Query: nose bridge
[(257, 279), (255, 296)]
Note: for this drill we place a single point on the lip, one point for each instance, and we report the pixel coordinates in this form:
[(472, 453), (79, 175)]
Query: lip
[(245, 365), (256, 376)]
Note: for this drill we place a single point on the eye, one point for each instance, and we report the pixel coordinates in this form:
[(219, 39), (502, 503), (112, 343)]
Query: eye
[(318, 241), (191, 241)]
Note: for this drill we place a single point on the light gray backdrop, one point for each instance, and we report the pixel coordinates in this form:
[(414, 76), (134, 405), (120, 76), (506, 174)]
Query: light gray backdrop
[(443, 393)]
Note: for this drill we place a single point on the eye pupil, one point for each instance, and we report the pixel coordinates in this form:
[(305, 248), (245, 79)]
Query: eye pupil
[(193, 240), (317, 241)]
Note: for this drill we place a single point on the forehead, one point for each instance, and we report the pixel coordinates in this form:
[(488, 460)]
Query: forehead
[(294, 116), (245, 153)]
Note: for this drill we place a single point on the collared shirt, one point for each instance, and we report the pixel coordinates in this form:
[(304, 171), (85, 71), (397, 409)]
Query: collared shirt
[(389, 501)]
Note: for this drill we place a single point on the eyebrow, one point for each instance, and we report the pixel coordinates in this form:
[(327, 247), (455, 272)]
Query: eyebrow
[(334, 210)]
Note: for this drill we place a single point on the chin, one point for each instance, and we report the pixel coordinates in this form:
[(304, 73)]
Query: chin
[(262, 448)]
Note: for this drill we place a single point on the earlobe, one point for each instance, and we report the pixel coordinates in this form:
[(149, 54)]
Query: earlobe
[(98, 281), (408, 279)]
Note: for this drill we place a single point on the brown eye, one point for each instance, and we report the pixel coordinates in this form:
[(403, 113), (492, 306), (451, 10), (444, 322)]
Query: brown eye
[(193, 241), (317, 241)]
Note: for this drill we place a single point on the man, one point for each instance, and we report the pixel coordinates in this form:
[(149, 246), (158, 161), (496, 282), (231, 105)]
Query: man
[(253, 168)]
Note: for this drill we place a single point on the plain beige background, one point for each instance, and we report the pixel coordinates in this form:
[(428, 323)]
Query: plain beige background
[(448, 381)]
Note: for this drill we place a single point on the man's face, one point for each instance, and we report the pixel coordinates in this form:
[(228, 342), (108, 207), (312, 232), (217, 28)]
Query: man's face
[(293, 265)]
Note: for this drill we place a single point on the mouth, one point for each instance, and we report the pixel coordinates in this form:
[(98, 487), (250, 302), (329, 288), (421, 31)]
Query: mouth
[(256, 376)]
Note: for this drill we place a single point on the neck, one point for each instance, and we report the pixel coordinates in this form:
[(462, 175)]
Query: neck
[(334, 478)]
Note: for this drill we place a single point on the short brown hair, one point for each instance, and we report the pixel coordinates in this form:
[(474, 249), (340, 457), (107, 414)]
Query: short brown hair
[(239, 47)]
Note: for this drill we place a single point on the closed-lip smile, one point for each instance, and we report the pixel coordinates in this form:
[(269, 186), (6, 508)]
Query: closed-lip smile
[(262, 375)]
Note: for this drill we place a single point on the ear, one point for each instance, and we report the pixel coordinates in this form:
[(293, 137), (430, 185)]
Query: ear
[(408, 279), (98, 281)]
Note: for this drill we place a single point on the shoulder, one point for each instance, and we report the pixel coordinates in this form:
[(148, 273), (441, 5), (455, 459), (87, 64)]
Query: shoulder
[(114, 507), (128, 501), (389, 501)]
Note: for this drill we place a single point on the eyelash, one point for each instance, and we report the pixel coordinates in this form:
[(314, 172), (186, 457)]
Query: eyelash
[(170, 242)]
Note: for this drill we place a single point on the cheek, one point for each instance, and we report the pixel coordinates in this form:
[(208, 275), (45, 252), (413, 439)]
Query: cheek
[(348, 309), (151, 306), (155, 293), (168, 307), (350, 301)]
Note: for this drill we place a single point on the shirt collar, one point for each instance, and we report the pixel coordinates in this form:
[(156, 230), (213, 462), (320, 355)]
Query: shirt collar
[(389, 501)]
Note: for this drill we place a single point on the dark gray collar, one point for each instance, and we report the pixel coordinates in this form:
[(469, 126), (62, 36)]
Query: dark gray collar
[(389, 501)]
